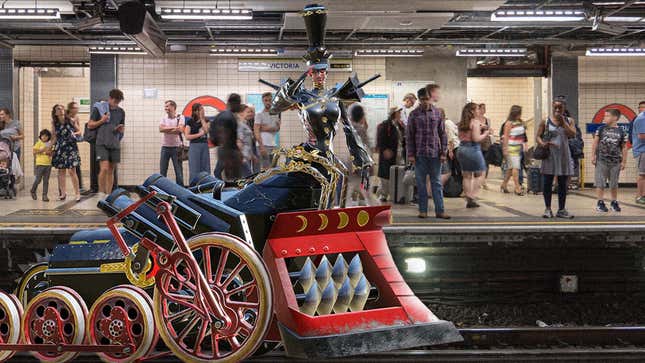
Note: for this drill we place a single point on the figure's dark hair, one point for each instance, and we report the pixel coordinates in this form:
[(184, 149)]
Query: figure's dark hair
[(356, 113), (6, 110), (515, 113), (422, 92), (267, 94), (641, 103), (467, 114), (194, 112), (234, 102), (613, 112), (54, 118), (46, 133), (116, 94)]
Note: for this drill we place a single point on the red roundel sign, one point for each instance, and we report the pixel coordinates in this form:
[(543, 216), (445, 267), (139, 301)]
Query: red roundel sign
[(625, 112), (211, 101)]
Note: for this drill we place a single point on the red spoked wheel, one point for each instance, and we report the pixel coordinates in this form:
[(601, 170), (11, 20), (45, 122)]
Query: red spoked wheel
[(55, 316), (236, 273), (123, 315), (10, 318)]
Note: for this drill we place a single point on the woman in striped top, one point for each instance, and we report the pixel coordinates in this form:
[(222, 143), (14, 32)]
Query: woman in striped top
[(514, 142)]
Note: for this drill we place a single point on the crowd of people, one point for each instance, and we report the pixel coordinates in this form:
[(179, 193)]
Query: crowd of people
[(437, 156)]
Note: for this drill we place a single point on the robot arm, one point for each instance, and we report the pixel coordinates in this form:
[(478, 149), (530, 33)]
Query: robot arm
[(286, 93), (360, 154)]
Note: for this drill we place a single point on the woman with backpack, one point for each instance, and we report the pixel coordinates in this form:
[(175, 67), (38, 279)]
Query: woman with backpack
[(554, 134)]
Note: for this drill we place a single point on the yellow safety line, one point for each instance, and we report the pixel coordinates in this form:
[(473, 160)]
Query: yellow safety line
[(529, 224)]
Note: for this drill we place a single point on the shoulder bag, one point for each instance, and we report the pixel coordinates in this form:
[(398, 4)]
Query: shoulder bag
[(182, 149), (542, 152)]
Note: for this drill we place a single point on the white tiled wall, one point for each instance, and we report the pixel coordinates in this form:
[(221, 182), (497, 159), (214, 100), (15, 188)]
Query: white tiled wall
[(499, 94), (606, 80), (184, 77)]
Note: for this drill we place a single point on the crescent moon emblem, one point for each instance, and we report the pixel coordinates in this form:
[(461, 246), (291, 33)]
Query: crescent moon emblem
[(344, 220), (323, 221), (304, 223), (362, 218)]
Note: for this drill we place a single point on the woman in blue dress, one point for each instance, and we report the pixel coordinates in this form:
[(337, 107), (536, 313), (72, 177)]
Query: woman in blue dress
[(65, 156)]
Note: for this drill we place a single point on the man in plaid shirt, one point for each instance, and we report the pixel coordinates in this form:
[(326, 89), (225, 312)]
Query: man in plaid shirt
[(427, 145)]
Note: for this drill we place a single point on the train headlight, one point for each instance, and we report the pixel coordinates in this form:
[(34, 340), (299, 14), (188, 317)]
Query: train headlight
[(415, 265)]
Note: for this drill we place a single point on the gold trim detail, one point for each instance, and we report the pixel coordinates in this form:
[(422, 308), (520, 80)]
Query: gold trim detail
[(304, 221), (362, 218), (113, 267), (324, 221), (343, 220)]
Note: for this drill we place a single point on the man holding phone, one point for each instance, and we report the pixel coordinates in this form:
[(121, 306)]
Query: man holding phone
[(108, 119), (171, 128)]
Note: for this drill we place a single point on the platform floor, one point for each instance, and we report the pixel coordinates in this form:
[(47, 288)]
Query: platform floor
[(497, 209)]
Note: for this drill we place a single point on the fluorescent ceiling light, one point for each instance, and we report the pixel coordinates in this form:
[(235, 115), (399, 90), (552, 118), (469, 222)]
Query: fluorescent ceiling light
[(206, 14), (116, 49), (621, 52), (244, 52), (492, 52), (623, 19), (29, 14), (389, 53), (538, 15)]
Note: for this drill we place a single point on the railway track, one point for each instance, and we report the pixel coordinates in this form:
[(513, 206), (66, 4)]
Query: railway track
[(569, 344)]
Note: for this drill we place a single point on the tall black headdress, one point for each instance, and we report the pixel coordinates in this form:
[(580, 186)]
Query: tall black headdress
[(315, 17)]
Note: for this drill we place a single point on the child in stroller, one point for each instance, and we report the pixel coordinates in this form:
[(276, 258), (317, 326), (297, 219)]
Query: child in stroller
[(7, 179)]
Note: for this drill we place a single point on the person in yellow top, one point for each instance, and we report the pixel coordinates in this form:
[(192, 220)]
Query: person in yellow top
[(43, 155)]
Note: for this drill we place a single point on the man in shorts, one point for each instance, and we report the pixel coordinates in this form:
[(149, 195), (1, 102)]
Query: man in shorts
[(609, 153), (108, 119)]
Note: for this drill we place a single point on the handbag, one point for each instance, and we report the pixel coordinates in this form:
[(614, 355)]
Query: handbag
[(182, 150), (89, 135), (454, 186), (495, 156), (542, 152)]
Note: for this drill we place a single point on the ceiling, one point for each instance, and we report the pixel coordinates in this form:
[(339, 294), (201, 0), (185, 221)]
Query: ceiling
[(351, 24)]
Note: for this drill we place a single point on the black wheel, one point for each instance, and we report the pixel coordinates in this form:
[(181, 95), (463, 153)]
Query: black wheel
[(32, 283)]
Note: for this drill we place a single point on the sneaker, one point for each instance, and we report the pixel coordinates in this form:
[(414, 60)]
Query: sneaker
[(442, 216), (33, 196), (423, 215), (614, 206), (547, 213), (601, 207), (640, 200), (45, 198), (562, 213)]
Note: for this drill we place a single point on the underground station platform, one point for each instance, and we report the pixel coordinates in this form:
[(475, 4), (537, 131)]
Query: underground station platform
[(503, 275)]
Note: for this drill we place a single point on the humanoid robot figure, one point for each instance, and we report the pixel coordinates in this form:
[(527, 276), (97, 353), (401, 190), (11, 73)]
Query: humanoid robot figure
[(321, 109)]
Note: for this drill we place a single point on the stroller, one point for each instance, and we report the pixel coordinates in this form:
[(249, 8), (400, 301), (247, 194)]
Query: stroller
[(7, 177)]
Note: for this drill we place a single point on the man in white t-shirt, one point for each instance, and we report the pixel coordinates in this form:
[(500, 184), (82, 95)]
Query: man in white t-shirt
[(171, 128), (409, 104), (265, 129)]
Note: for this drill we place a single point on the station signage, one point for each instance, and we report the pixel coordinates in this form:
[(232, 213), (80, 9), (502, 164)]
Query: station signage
[(288, 65)]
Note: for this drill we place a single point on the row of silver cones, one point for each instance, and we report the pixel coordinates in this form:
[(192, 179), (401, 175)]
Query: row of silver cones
[(336, 288)]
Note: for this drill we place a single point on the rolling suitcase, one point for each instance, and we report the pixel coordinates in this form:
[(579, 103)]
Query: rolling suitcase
[(535, 180), (399, 192)]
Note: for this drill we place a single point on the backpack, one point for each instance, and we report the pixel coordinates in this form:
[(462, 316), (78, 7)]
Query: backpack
[(576, 144)]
